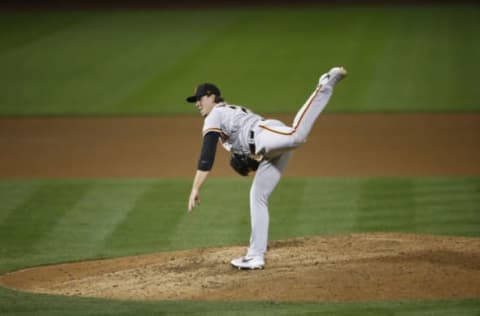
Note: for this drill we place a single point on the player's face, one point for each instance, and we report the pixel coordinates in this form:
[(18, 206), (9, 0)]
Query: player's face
[(205, 104)]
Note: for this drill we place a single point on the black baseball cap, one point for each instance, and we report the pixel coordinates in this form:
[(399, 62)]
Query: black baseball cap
[(204, 89)]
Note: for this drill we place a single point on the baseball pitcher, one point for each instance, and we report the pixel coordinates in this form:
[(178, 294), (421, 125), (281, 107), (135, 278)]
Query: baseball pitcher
[(255, 144)]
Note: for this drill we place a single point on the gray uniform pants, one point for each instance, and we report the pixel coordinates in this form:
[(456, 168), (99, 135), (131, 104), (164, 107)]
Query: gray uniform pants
[(275, 141)]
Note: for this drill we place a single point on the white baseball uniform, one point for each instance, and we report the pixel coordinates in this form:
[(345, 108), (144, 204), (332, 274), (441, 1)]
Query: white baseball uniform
[(274, 141)]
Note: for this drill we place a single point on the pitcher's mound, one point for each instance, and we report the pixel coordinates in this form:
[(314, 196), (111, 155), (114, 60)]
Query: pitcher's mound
[(357, 267)]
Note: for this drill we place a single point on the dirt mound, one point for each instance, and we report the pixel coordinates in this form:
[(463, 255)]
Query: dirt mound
[(356, 267)]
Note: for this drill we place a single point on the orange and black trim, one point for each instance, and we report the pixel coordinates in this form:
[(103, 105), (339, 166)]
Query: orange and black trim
[(213, 129)]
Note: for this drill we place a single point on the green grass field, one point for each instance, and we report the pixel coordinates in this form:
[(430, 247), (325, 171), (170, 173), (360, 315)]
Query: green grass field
[(422, 58), (48, 221)]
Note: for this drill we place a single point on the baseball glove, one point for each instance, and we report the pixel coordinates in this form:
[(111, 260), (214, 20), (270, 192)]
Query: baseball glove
[(243, 164)]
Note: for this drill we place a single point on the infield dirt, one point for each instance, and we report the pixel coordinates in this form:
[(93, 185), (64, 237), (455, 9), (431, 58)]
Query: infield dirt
[(152, 147)]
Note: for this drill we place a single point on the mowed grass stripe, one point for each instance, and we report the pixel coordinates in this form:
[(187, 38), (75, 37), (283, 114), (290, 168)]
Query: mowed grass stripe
[(339, 205), (44, 305), (407, 58), (23, 28), (386, 206), (82, 230), (153, 220), (326, 207), (145, 216), (453, 204), (222, 218), (37, 216), (180, 49), (108, 55), (12, 195)]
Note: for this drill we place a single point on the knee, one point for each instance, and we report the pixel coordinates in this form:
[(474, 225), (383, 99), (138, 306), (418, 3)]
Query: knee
[(299, 140)]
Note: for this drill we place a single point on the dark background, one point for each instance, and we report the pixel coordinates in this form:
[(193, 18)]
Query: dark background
[(139, 4)]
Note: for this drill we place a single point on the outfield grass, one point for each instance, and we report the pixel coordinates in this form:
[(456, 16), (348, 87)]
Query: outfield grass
[(411, 58), (48, 221), (14, 304)]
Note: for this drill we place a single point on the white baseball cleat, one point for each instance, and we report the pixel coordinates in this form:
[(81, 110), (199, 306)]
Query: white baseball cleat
[(333, 76), (248, 263)]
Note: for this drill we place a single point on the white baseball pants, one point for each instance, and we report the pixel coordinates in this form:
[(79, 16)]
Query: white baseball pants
[(276, 140)]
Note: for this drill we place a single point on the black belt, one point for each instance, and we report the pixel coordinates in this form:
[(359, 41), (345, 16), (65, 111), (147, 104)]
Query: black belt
[(251, 143)]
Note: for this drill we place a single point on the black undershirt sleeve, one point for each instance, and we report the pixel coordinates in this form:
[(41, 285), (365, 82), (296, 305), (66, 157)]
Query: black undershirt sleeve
[(209, 149)]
